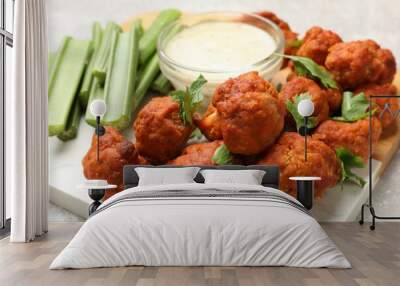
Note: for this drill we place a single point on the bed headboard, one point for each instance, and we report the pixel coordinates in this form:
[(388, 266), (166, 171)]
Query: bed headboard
[(271, 177)]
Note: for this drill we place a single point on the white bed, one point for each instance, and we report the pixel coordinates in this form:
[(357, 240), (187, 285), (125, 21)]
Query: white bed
[(224, 225)]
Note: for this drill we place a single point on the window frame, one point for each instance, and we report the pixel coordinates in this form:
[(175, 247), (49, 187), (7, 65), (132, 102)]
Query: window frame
[(6, 39)]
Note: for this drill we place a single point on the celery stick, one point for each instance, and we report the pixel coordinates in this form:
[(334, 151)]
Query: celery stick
[(97, 34), (101, 61), (121, 76), (64, 82), (148, 42), (148, 74), (74, 119), (161, 84), (96, 92), (57, 61), (50, 62)]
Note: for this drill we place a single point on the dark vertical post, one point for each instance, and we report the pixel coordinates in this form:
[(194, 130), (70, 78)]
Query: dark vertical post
[(98, 137), (305, 137)]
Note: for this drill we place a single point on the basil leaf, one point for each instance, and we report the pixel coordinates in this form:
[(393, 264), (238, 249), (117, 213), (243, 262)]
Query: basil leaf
[(222, 156), (196, 134), (195, 90), (307, 67), (353, 107), (294, 44), (183, 99), (190, 99), (348, 161), (291, 106)]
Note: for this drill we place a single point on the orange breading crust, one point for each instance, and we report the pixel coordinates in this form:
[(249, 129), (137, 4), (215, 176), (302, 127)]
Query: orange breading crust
[(160, 132), (318, 96), (350, 135), (115, 153), (360, 62), (250, 113), (197, 154), (316, 44), (387, 118), (288, 154)]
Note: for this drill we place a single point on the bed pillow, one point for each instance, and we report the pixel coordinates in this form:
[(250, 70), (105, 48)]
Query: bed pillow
[(248, 177), (166, 176)]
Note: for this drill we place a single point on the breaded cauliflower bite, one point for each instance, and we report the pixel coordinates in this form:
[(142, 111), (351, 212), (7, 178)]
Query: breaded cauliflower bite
[(197, 154), (388, 116), (350, 135), (160, 132), (298, 85), (209, 123), (334, 97), (360, 62), (316, 44), (115, 153), (288, 154), (249, 115)]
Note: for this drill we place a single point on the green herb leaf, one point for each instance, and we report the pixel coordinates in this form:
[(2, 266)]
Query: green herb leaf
[(294, 43), (353, 107), (291, 106), (222, 156), (348, 161), (196, 134), (307, 67), (190, 99)]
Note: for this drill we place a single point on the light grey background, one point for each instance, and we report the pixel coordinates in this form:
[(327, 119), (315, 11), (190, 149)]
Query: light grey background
[(351, 19)]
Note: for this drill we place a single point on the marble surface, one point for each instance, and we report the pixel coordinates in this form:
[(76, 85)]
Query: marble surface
[(352, 19)]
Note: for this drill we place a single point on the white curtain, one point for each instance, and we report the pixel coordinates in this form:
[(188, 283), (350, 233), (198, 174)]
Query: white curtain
[(27, 123)]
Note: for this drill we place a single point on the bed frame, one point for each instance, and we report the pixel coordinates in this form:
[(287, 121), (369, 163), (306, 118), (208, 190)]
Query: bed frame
[(271, 177)]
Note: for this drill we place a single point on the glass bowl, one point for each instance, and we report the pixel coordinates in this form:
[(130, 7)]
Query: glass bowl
[(181, 75)]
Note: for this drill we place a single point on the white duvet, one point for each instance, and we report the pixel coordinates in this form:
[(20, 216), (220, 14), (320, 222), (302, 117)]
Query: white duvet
[(204, 231)]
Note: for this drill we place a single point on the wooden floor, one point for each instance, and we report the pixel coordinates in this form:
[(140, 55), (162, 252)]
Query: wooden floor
[(375, 257)]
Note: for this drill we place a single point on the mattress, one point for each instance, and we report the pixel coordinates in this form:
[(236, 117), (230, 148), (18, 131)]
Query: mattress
[(201, 225)]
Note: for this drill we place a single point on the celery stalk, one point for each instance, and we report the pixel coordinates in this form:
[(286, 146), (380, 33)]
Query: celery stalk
[(147, 76), (121, 76), (64, 82), (72, 127), (161, 84), (101, 60), (50, 62), (96, 92), (148, 42), (97, 34)]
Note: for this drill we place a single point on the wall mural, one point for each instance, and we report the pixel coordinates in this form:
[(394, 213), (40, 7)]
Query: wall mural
[(220, 89)]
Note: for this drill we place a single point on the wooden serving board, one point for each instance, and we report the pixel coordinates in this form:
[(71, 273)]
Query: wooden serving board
[(336, 204)]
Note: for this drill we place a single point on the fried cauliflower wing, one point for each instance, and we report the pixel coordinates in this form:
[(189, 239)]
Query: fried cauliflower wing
[(350, 135), (115, 153), (197, 154), (387, 117), (288, 154), (316, 44), (160, 132), (360, 62), (245, 113), (209, 123), (299, 85)]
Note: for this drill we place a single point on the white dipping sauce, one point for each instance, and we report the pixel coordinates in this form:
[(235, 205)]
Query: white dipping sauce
[(220, 46)]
